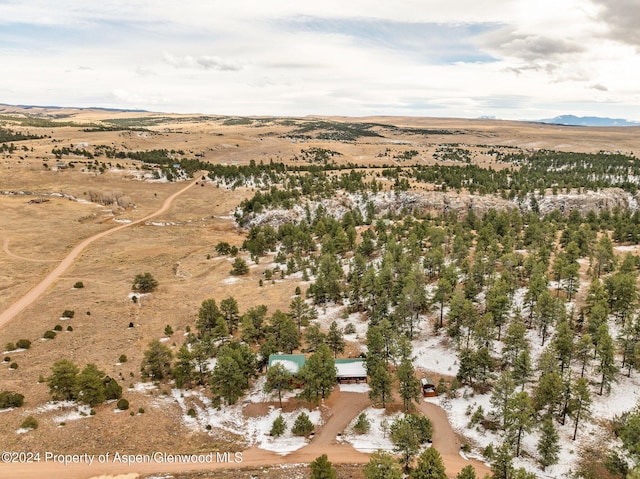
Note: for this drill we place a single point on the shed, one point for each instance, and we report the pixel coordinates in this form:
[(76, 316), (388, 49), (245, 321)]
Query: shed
[(428, 388), (348, 370)]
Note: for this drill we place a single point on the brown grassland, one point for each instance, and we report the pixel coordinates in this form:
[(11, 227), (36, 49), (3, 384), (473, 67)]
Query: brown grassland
[(177, 248)]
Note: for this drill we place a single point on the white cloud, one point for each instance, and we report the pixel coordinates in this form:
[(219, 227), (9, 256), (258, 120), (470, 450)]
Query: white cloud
[(505, 58)]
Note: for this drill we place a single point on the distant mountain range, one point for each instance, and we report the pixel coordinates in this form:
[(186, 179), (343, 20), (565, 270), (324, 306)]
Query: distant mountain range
[(572, 120), (54, 107)]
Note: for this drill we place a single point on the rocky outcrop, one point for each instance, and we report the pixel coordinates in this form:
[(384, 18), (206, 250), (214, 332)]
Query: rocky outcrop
[(437, 202), (605, 199)]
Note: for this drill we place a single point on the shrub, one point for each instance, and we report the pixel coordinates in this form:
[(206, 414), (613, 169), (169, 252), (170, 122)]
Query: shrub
[(23, 344), (10, 399), (349, 328), (78, 285), (13, 365), (362, 425), (122, 404), (141, 410), (10, 346), (92, 412), (240, 267), (7, 359), (191, 412), (303, 425), (49, 334), (122, 358), (68, 313), (223, 248), (69, 328), (29, 423), (57, 327), (268, 274), (144, 283), (168, 330), (278, 427)]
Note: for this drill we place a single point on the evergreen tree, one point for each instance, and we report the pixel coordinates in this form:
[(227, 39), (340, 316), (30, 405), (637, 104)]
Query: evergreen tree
[(230, 313), (182, 370), (321, 468), (520, 417), (515, 341), (207, 317), (382, 465), (501, 396), (335, 339), (406, 440), (430, 466), (156, 363), (235, 366), (301, 313), (584, 352), (502, 464), (580, 404), (63, 380), (302, 425), (606, 353), (549, 444), (90, 386), (314, 337), (318, 374), (409, 384), (467, 472), (279, 426), (278, 379), (284, 331)]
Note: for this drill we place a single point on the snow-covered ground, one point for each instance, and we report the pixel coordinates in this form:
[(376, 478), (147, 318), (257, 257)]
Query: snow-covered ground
[(378, 435), (230, 418)]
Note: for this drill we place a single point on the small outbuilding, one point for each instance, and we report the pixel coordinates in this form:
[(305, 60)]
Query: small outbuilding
[(428, 388)]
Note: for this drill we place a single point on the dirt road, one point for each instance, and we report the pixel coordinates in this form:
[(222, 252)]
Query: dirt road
[(13, 310), (447, 443)]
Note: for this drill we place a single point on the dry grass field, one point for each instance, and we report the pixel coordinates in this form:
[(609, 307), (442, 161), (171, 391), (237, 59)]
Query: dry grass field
[(177, 248)]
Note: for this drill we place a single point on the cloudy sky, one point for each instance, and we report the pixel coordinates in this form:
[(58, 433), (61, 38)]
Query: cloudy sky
[(512, 59)]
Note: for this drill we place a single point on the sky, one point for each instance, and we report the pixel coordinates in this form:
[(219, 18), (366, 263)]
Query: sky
[(509, 59)]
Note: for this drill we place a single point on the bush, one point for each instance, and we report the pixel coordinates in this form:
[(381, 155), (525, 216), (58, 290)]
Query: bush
[(168, 330), (13, 365), (23, 344), (141, 410), (223, 248), (7, 359), (278, 427), (144, 283), (362, 425), (303, 425), (68, 313), (10, 399), (122, 404), (191, 412), (10, 346), (122, 358), (57, 327), (69, 328), (349, 329), (78, 285), (49, 334), (29, 423), (240, 267)]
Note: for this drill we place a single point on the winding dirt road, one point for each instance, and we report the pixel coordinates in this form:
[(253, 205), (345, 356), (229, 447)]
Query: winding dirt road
[(13, 310)]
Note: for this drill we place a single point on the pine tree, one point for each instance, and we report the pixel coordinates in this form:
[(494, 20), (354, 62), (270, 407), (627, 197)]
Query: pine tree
[(467, 472), (182, 370), (382, 465), (549, 444), (406, 440), (207, 317), (580, 404), (584, 352), (318, 374), (502, 464), (285, 332), (301, 312), (279, 426), (335, 339), (606, 352), (278, 379), (229, 310), (430, 466), (302, 425), (314, 337), (90, 386), (63, 380), (515, 341), (321, 468), (409, 384), (156, 363), (379, 379), (501, 396), (520, 417)]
